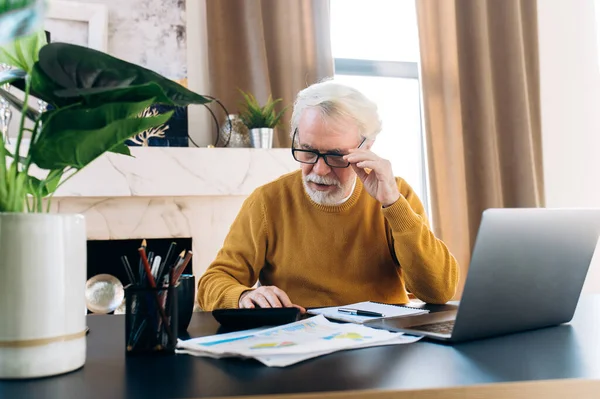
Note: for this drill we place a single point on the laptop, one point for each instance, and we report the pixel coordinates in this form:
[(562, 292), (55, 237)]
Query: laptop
[(527, 270)]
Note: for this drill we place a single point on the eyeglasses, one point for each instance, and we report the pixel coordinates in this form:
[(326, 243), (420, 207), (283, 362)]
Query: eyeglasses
[(332, 159)]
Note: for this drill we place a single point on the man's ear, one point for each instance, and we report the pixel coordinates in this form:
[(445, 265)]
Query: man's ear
[(369, 143)]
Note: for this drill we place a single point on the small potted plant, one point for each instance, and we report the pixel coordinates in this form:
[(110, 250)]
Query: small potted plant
[(260, 120)]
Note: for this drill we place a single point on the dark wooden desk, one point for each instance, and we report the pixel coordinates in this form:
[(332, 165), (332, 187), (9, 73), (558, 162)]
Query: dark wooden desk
[(554, 362)]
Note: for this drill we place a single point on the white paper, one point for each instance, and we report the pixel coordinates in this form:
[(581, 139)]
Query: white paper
[(292, 343), (386, 310)]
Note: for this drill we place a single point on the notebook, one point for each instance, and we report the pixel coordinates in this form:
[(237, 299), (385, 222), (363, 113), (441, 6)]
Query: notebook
[(385, 310)]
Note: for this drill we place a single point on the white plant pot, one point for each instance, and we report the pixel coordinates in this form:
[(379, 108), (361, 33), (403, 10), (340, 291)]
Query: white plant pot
[(42, 294)]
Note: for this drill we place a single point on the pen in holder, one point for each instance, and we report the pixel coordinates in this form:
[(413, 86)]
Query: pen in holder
[(151, 320)]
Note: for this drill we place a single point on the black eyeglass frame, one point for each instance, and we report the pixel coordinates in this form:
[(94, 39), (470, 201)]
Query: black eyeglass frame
[(323, 155)]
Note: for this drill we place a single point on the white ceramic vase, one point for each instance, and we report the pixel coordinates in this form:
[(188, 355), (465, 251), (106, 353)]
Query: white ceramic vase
[(42, 294)]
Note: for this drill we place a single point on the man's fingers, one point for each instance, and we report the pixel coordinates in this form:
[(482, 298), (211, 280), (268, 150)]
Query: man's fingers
[(286, 301), (260, 300), (302, 310), (362, 175), (364, 155), (247, 303), (283, 297), (368, 164), (273, 299), (267, 297)]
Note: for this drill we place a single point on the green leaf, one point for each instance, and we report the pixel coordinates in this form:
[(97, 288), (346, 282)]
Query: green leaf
[(121, 149), (14, 192), (103, 95), (76, 136), (72, 70), (3, 178), (44, 187), (254, 115), (82, 117), (53, 179), (23, 52), (41, 87), (278, 117), (8, 154)]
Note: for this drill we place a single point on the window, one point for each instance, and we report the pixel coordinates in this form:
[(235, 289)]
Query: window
[(376, 49)]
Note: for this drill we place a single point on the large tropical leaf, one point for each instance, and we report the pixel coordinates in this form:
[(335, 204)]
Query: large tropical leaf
[(82, 118), (103, 95), (78, 71), (23, 52), (74, 137), (122, 149), (42, 87), (47, 186)]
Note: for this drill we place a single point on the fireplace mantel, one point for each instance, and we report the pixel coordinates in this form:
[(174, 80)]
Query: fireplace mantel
[(179, 172)]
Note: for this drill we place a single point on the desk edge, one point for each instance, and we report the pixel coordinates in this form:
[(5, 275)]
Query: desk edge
[(546, 389)]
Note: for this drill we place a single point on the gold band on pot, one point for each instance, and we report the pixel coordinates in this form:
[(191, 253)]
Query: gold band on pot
[(26, 343)]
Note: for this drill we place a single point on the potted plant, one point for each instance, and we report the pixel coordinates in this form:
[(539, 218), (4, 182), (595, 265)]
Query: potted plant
[(260, 120), (95, 103)]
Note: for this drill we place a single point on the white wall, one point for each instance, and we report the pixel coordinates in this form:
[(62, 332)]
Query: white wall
[(570, 101)]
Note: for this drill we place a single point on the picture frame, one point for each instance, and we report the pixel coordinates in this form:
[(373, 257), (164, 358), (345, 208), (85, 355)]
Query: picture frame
[(65, 17)]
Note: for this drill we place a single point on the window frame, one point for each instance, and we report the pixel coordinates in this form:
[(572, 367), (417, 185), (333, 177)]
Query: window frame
[(393, 69)]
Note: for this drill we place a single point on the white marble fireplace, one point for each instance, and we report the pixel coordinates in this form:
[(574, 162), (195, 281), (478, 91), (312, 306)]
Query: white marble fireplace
[(170, 193)]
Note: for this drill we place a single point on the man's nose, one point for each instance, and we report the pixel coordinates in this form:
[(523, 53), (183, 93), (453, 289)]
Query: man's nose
[(321, 168)]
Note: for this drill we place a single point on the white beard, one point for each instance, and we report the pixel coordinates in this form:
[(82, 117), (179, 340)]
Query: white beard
[(333, 197)]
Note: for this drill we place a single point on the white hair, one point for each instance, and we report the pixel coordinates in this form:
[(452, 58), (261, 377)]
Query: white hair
[(336, 100)]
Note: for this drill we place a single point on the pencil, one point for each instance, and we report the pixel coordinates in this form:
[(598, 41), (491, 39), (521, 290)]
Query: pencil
[(166, 262), (180, 260), (128, 270), (182, 267), (152, 283), (169, 300)]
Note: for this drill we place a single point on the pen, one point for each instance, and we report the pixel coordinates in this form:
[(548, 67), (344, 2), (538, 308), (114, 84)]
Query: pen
[(358, 312)]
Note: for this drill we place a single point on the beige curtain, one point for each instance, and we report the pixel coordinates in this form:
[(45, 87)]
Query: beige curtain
[(267, 47), (480, 77)]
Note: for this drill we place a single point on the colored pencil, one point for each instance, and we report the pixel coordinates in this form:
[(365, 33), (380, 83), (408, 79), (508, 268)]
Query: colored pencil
[(165, 264), (152, 283), (182, 267)]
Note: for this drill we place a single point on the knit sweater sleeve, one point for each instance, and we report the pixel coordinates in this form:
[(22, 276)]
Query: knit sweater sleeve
[(429, 270), (237, 265)]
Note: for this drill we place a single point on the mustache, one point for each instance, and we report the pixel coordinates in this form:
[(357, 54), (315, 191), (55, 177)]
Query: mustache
[(330, 181)]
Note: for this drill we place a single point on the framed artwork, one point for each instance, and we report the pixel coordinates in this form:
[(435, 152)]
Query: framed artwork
[(85, 24)]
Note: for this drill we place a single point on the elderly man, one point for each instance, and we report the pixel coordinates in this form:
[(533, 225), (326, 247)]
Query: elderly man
[(341, 230)]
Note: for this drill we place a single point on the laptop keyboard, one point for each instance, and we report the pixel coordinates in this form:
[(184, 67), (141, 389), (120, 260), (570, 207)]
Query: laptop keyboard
[(444, 327)]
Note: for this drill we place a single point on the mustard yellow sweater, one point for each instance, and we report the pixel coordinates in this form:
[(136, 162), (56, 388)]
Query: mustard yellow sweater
[(330, 255)]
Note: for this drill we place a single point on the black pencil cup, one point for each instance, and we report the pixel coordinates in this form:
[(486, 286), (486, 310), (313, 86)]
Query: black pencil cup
[(151, 320)]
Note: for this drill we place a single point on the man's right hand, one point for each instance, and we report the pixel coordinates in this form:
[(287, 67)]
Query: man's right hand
[(267, 296)]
